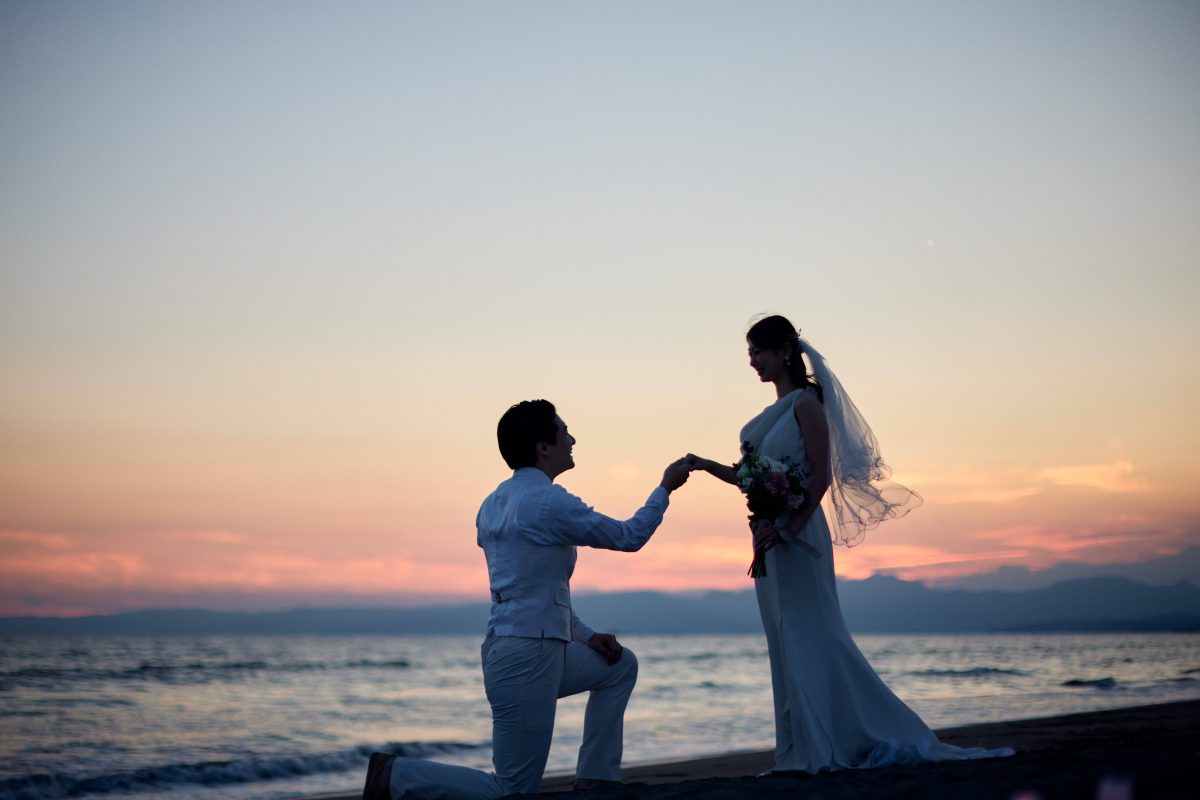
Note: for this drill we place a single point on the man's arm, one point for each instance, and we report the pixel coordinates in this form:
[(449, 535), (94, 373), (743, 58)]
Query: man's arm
[(580, 632), (605, 644), (565, 519)]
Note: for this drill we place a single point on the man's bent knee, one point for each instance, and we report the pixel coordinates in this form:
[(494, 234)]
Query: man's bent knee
[(628, 663)]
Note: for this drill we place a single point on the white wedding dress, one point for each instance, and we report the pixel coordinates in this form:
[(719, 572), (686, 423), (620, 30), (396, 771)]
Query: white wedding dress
[(831, 710)]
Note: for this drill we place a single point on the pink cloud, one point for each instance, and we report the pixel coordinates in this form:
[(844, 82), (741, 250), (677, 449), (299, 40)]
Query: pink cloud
[(1048, 545), (90, 569), (103, 572), (210, 537), (972, 521), (917, 562), (18, 540)]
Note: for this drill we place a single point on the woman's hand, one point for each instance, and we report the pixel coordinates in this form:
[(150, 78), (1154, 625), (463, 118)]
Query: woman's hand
[(711, 467), (765, 535)]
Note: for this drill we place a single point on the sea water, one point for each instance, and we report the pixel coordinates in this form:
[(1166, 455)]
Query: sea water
[(224, 717)]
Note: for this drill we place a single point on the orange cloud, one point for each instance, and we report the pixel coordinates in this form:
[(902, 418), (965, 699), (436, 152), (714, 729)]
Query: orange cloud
[(1115, 477), (1003, 487), (970, 485), (993, 496)]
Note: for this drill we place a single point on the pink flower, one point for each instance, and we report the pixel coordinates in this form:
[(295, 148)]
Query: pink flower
[(794, 501), (777, 483)]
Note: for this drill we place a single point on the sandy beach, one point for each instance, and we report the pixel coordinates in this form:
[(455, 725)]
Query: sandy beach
[(1146, 751)]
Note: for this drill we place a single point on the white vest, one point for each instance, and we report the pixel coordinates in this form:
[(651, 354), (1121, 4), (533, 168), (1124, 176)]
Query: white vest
[(528, 529)]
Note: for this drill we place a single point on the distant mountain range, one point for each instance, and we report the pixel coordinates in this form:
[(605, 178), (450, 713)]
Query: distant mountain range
[(1184, 566), (877, 605)]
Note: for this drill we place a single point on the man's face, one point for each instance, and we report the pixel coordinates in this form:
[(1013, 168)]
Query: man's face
[(557, 458)]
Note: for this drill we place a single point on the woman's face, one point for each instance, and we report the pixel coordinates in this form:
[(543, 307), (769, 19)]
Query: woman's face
[(769, 364)]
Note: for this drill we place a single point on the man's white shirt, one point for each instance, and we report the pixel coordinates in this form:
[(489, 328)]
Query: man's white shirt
[(528, 529)]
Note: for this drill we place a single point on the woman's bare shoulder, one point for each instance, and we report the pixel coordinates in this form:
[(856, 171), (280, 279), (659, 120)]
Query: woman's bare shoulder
[(807, 401), (808, 407)]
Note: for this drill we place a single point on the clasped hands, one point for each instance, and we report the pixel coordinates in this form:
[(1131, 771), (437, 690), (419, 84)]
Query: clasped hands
[(677, 472)]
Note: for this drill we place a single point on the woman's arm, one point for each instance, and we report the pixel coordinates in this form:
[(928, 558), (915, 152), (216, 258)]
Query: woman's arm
[(810, 416), (721, 471)]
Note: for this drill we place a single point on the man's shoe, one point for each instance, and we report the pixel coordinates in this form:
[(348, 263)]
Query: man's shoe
[(588, 784), (379, 777)]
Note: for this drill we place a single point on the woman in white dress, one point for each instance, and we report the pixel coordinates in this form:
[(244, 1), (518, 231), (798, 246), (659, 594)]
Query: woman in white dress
[(831, 710)]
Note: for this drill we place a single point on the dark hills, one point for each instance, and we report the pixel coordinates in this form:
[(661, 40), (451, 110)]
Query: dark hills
[(1182, 566), (876, 605)]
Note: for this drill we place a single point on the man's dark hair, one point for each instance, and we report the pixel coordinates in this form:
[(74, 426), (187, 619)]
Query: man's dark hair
[(522, 427)]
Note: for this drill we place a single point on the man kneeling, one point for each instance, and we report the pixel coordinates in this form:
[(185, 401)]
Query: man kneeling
[(537, 650)]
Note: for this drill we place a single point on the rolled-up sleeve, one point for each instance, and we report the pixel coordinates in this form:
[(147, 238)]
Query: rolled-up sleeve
[(565, 519)]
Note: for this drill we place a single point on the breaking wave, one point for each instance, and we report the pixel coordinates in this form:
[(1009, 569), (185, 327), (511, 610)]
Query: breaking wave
[(974, 672), (215, 773), (192, 672), (1099, 683)]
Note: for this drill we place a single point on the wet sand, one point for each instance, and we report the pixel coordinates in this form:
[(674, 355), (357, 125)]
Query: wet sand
[(1144, 752)]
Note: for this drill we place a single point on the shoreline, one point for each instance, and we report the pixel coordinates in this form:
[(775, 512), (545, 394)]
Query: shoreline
[(1139, 751)]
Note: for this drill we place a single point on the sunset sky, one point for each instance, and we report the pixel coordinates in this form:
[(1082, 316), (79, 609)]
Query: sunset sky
[(271, 271)]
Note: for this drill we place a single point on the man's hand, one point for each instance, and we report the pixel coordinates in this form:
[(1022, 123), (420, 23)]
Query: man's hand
[(606, 645), (676, 474)]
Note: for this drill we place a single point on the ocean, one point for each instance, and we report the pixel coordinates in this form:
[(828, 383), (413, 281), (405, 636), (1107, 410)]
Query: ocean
[(253, 718)]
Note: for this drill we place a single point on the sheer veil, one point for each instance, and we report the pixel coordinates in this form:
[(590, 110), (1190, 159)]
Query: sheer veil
[(860, 495)]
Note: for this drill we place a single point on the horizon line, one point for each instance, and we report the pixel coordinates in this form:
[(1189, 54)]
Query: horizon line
[(465, 601)]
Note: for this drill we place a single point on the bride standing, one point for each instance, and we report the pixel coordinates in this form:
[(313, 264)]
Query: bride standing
[(831, 710)]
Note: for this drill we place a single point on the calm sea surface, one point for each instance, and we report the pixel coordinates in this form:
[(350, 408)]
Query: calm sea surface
[(223, 717)]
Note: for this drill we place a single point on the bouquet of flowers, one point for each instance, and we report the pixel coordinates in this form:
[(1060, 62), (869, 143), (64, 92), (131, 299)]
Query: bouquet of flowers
[(771, 487)]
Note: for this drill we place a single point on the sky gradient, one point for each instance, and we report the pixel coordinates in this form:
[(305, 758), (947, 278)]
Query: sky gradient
[(270, 273)]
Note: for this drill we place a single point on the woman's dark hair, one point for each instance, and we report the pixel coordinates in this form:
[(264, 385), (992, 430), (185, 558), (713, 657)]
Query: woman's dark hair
[(522, 427), (774, 333)]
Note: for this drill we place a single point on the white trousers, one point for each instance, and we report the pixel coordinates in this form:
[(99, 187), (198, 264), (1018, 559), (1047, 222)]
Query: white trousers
[(524, 679)]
